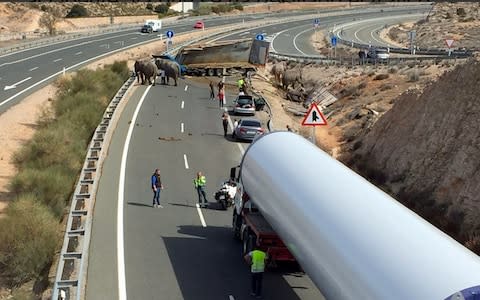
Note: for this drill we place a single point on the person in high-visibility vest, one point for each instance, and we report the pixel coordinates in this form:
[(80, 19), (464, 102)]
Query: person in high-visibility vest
[(241, 83), (199, 183), (257, 259)]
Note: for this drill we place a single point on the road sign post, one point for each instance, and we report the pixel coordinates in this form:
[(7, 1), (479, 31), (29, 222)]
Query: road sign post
[(169, 40), (449, 43), (333, 40), (316, 23)]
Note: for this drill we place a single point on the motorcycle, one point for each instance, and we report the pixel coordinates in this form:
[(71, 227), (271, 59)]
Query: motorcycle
[(226, 194)]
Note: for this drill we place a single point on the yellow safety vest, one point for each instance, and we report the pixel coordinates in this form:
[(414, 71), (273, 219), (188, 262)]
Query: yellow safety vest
[(199, 181), (258, 261)]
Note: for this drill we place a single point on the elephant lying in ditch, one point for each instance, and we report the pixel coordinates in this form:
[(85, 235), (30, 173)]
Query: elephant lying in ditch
[(172, 69), (146, 70)]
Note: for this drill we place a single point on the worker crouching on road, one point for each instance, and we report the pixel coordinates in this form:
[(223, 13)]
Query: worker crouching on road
[(199, 183), (256, 259)]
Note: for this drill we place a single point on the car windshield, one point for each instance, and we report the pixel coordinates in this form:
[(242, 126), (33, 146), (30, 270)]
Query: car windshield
[(251, 123)]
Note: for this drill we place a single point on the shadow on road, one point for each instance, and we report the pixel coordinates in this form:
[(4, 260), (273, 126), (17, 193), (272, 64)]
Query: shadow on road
[(208, 265), (138, 204)]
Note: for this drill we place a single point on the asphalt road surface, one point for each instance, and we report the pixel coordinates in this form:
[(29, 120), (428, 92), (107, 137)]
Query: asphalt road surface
[(368, 31), (168, 252), (26, 71), (295, 37)]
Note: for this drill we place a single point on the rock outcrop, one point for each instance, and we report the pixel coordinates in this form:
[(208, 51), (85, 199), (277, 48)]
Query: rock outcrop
[(425, 151)]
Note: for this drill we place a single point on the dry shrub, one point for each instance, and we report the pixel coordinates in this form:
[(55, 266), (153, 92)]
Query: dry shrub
[(362, 85), (413, 76), (473, 243), (393, 70), (29, 235), (386, 86), (381, 77)]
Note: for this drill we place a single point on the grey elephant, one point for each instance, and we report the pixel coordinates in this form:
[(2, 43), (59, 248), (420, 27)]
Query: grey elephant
[(147, 70), (138, 65), (290, 77), (172, 69), (277, 71)]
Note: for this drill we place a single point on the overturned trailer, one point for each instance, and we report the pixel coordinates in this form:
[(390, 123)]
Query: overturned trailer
[(223, 57)]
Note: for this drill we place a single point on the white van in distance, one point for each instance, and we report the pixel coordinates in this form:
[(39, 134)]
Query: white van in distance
[(156, 24)]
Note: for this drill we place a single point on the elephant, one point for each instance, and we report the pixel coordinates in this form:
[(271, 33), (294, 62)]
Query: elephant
[(147, 71), (277, 70), (138, 74), (290, 77), (172, 69)]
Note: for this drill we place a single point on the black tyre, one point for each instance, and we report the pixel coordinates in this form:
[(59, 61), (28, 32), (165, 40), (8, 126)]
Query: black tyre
[(210, 72), (223, 203)]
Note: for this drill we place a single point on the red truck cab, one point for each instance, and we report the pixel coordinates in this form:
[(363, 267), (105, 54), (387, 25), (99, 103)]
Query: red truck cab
[(249, 226)]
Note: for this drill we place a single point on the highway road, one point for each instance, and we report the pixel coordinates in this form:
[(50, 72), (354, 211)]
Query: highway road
[(295, 37), (179, 251), (368, 31), (169, 252), (25, 71)]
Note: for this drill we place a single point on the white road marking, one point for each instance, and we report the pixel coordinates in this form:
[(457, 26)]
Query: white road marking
[(78, 53), (202, 220), (230, 124), (7, 87), (244, 33), (122, 287), (181, 127), (118, 42), (62, 71), (295, 40), (55, 50), (186, 161), (230, 297), (58, 59), (33, 69), (133, 38), (186, 88), (183, 104)]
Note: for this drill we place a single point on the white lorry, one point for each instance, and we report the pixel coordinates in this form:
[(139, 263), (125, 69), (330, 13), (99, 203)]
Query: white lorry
[(156, 24)]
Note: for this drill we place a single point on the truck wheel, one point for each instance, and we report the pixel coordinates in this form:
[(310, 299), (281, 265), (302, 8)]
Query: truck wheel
[(219, 71), (210, 72)]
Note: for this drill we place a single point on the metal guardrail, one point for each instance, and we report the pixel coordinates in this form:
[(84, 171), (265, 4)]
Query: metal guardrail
[(358, 61), (71, 270)]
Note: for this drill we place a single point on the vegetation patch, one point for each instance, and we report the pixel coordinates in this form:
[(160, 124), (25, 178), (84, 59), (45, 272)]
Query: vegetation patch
[(48, 167)]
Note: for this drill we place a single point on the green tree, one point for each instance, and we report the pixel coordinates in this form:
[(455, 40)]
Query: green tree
[(77, 11), (162, 8)]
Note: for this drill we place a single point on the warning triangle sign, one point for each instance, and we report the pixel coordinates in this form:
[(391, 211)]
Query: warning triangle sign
[(449, 42), (314, 117)]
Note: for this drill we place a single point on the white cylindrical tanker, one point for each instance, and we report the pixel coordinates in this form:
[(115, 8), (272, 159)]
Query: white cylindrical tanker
[(351, 238)]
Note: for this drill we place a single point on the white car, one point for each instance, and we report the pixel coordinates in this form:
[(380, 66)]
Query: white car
[(244, 104)]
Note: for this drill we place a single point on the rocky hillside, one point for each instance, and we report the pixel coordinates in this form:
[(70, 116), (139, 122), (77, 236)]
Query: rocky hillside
[(459, 21), (425, 151)]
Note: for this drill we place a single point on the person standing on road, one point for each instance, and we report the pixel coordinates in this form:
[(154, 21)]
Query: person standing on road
[(225, 123), (220, 85), (156, 187), (256, 259), (199, 183), (212, 91), (221, 97)]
